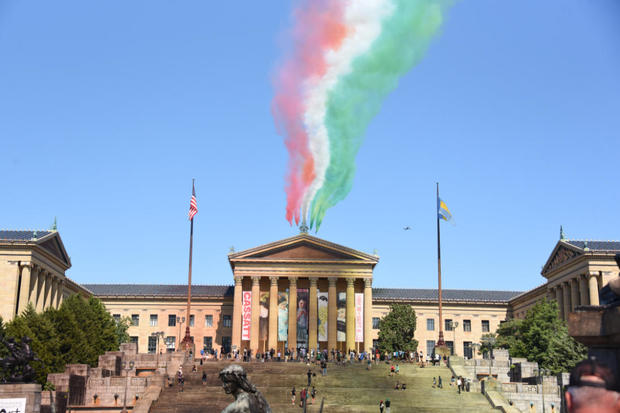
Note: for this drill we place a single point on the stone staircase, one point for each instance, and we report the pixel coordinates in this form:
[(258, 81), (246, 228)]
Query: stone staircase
[(348, 388)]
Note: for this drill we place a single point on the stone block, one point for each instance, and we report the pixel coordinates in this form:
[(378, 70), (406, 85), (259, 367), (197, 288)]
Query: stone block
[(30, 392)]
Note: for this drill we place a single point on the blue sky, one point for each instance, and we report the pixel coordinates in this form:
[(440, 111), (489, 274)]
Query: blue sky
[(109, 109)]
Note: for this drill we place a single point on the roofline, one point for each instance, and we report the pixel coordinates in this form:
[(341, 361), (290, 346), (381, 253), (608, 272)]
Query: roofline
[(236, 256)]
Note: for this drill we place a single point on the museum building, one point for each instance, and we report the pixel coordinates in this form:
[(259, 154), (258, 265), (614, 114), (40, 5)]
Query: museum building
[(301, 291)]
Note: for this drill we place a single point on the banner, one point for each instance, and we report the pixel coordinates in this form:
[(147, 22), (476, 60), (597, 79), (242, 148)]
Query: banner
[(342, 316), (302, 317), (283, 316), (359, 317), (322, 297), (246, 311), (264, 316)]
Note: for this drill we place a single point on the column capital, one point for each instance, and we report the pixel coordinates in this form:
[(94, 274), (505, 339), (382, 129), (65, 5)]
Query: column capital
[(238, 279), (274, 280), (26, 264), (292, 281), (255, 280), (368, 282), (350, 282), (332, 281), (313, 281), (592, 274)]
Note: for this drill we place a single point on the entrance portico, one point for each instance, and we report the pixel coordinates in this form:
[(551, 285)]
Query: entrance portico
[(302, 292)]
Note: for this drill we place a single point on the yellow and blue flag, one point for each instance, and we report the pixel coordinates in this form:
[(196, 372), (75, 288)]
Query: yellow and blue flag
[(442, 210)]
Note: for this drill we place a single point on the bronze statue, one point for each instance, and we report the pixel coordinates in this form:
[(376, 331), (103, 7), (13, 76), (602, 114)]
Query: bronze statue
[(16, 367), (247, 398)]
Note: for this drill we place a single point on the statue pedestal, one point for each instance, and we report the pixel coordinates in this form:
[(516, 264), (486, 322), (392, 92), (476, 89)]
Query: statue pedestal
[(16, 395)]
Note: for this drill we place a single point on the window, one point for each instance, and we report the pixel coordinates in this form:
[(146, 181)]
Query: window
[(485, 326), (133, 339), (153, 320), (375, 322), (152, 348), (226, 342), (208, 343), (117, 317), (191, 320), (208, 320), (467, 350), (172, 320), (466, 325), (430, 348), (135, 319), (448, 325), (430, 324), (450, 345), (227, 321), (170, 343)]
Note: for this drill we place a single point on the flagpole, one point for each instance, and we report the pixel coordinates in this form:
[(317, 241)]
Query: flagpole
[(187, 340), (440, 342)]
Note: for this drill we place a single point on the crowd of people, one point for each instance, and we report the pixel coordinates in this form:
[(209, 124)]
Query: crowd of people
[(592, 388)]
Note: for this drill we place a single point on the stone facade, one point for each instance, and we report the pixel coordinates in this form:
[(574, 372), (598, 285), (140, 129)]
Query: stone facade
[(32, 271)]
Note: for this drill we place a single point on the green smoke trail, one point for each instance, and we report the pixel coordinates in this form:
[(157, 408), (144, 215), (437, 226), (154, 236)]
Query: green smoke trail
[(357, 97)]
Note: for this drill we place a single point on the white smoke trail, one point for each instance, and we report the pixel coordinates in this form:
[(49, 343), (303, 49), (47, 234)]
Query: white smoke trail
[(363, 19)]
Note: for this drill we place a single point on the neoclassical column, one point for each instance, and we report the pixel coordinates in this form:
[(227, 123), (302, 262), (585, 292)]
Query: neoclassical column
[(292, 313), (236, 322), (313, 314), (332, 315), (574, 294), (593, 288), (40, 290), (49, 279), (273, 313), (583, 290), (255, 330), (350, 326), (559, 297), (566, 298), (53, 292), (34, 284), (367, 314), (24, 289), (60, 294)]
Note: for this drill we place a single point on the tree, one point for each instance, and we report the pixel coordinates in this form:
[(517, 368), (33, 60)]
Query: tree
[(396, 329), (542, 337), (78, 332)]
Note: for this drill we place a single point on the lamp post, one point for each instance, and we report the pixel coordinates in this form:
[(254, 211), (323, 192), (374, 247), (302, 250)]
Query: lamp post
[(541, 373), (158, 334), (475, 347), (127, 367), (454, 325)]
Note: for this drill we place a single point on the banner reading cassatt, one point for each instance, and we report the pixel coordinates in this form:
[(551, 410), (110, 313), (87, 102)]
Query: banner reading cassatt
[(283, 316), (246, 312), (359, 317)]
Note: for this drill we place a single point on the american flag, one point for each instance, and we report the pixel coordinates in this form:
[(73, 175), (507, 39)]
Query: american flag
[(193, 206)]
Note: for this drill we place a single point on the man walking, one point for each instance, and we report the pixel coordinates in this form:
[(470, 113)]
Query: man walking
[(309, 374)]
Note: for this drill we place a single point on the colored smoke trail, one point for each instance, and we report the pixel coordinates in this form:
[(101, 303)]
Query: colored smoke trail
[(317, 28), (349, 55)]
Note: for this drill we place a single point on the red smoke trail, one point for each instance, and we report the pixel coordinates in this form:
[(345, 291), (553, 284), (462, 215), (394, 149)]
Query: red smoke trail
[(318, 27)]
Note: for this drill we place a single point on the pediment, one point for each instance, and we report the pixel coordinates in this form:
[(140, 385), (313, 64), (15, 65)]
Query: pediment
[(302, 247), (53, 244), (562, 254)]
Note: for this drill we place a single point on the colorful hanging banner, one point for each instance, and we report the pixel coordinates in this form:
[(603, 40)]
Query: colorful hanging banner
[(246, 311), (283, 316), (322, 305), (342, 316), (302, 317), (264, 315), (359, 317)]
